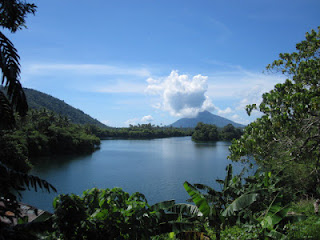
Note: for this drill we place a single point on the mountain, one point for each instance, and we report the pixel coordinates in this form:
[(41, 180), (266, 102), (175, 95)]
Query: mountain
[(39, 100), (205, 117)]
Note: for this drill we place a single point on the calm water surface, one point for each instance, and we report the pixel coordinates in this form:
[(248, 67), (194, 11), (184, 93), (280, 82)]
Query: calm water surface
[(157, 168)]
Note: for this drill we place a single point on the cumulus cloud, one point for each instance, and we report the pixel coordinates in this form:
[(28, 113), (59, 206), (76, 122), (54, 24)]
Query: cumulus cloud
[(147, 118), (180, 95)]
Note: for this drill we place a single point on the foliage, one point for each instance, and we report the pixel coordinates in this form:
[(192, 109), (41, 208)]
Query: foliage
[(205, 132), (14, 150), (304, 206), (306, 229), (12, 182), (12, 99), (219, 208), (45, 133), (12, 15), (208, 132), (38, 100), (244, 232), (287, 136), (110, 214), (140, 131), (259, 200), (229, 132)]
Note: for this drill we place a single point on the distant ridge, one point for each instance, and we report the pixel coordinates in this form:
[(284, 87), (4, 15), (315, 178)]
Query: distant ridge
[(39, 100), (205, 117)]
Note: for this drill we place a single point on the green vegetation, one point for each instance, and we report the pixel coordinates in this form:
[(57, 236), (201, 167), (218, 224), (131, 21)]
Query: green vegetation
[(140, 131), (208, 132), (43, 133), (287, 136), (12, 99), (38, 100), (111, 214), (255, 200), (284, 142)]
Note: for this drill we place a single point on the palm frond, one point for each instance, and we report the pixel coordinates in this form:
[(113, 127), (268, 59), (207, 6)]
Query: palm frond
[(18, 180), (10, 67), (13, 13), (6, 112)]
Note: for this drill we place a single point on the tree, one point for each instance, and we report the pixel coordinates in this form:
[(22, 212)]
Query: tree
[(229, 132), (12, 99), (12, 17), (287, 136), (205, 132)]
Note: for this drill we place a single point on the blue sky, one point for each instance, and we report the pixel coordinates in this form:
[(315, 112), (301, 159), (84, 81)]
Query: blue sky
[(127, 62)]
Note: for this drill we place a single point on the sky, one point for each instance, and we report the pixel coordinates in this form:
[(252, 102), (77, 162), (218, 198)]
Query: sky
[(155, 61)]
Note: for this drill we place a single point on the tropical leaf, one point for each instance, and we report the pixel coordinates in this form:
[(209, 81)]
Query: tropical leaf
[(10, 67), (229, 176), (16, 178), (163, 205), (212, 195), (240, 203), (273, 234), (204, 187), (274, 215), (200, 200), (137, 197), (13, 13), (7, 119), (181, 226), (187, 209), (220, 181)]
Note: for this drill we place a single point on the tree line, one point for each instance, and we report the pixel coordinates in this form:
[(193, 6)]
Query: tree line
[(42, 133), (139, 131), (209, 132)]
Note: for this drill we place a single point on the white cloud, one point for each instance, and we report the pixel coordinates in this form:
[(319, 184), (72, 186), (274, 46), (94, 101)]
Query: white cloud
[(118, 87), (86, 69), (147, 118), (180, 95), (101, 78)]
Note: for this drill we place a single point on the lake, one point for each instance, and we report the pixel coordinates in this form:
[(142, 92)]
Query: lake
[(157, 168)]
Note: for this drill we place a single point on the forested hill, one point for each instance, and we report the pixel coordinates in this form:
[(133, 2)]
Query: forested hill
[(207, 118), (39, 100)]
